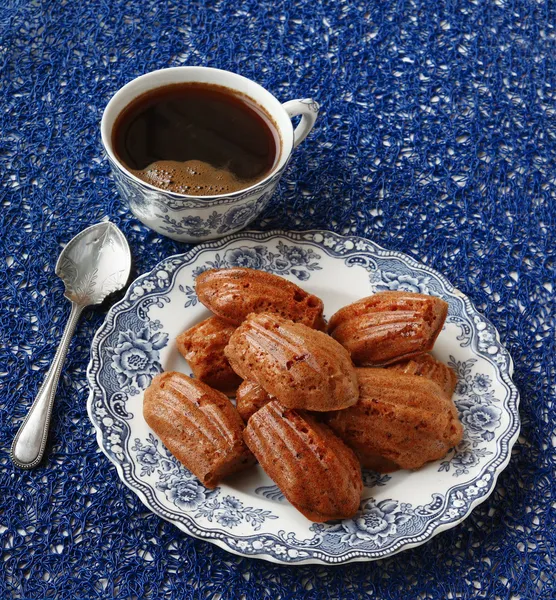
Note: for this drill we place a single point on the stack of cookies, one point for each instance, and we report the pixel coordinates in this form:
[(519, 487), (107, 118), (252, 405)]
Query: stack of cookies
[(312, 407)]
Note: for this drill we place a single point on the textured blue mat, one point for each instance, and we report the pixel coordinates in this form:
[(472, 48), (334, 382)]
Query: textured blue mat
[(437, 137)]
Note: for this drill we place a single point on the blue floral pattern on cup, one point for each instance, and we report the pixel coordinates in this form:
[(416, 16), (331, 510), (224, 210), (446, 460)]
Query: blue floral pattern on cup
[(221, 222), (204, 218)]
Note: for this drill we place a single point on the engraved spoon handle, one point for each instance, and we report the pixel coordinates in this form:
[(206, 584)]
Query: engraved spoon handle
[(30, 441)]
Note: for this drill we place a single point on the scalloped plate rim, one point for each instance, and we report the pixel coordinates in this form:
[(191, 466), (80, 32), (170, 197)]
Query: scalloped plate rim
[(353, 555)]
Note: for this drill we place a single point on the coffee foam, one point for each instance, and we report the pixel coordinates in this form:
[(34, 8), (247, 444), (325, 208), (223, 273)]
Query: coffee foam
[(192, 177)]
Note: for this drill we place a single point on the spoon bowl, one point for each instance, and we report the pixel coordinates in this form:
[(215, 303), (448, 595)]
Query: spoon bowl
[(94, 264)]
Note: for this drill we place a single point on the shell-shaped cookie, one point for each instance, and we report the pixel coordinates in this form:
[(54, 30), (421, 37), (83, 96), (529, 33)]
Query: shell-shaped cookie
[(389, 326), (234, 293), (401, 421), (199, 426), (315, 470), (250, 398), (429, 367), (202, 346), (301, 367)]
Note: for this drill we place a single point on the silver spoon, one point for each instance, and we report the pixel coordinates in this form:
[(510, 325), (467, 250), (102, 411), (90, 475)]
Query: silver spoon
[(94, 264)]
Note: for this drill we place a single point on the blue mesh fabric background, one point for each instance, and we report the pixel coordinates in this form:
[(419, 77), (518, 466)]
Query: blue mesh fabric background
[(437, 137)]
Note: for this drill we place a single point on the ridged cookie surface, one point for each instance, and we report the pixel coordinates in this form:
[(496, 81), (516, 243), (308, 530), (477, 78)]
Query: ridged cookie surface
[(234, 293), (389, 326), (199, 426), (249, 398), (427, 366), (401, 421), (301, 367), (202, 346), (315, 470)]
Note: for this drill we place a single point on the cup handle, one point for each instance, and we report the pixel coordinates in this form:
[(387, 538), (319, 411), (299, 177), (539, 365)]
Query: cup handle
[(309, 110)]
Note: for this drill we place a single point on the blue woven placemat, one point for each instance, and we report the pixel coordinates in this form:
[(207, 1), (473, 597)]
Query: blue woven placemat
[(437, 137)]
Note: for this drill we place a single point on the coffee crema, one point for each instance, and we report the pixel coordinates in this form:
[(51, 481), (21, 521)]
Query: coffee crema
[(197, 139)]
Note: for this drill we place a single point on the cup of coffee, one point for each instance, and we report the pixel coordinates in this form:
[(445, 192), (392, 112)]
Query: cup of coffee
[(197, 152)]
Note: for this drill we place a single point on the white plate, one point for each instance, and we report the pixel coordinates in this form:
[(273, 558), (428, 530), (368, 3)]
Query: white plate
[(248, 515)]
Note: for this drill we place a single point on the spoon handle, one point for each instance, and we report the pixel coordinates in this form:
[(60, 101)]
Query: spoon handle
[(30, 441)]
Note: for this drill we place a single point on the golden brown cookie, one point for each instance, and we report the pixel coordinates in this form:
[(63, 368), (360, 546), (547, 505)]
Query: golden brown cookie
[(234, 293), (202, 346), (301, 367), (427, 366), (401, 421), (389, 326), (249, 398), (315, 470), (199, 426)]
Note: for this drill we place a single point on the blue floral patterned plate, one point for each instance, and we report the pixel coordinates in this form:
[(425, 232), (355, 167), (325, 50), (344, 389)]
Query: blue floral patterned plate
[(249, 515)]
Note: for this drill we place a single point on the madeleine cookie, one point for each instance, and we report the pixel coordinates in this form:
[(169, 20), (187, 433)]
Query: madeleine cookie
[(388, 327), (199, 426), (202, 346), (301, 367), (401, 421), (234, 293), (315, 470)]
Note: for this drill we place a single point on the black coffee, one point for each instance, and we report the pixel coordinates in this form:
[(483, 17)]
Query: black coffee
[(196, 138)]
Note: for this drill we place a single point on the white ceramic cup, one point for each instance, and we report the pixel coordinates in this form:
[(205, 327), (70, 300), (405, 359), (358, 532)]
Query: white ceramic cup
[(196, 218)]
